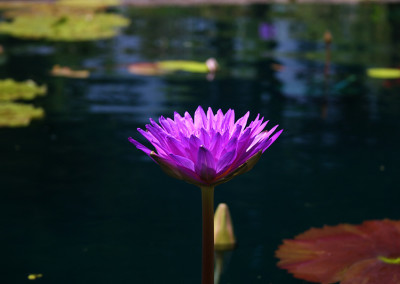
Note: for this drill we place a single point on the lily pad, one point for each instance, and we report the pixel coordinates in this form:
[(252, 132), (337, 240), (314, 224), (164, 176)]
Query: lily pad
[(63, 71), (384, 73), (350, 254), (58, 24), (145, 68), (89, 3), (168, 66), (12, 90), (182, 65), (18, 115)]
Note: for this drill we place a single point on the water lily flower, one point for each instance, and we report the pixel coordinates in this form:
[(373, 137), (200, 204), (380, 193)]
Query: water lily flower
[(350, 254), (209, 149), (206, 151)]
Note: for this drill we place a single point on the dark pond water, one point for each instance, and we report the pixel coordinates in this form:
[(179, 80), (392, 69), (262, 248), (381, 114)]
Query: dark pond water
[(80, 204)]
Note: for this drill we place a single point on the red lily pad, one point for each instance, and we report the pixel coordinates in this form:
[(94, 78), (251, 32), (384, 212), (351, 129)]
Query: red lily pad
[(64, 71), (368, 253)]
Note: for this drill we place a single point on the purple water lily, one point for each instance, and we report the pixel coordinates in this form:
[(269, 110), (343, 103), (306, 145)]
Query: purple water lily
[(209, 149), (206, 151)]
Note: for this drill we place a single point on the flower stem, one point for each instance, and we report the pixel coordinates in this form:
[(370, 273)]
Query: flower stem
[(207, 200)]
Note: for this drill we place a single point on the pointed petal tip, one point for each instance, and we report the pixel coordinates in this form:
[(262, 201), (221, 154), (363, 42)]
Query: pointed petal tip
[(139, 146), (199, 108)]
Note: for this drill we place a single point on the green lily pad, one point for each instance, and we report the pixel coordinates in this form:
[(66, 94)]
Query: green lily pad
[(12, 90), (89, 3), (168, 66), (183, 65), (18, 115), (384, 73), (55, 23)]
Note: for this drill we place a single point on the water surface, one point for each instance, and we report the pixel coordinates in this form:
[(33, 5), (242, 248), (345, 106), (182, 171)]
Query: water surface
[(80, 204)]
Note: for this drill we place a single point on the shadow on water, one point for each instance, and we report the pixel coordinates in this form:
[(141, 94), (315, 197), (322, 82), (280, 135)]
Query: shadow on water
[(81, 205)]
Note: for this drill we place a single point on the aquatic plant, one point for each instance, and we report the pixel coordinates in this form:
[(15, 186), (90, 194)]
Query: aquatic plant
[(170, 66), (350, 254), (64, 71), (206, 151), (224, 237), (12, 90), (89, 3), (383, 73), (63, 25), (18, 115)]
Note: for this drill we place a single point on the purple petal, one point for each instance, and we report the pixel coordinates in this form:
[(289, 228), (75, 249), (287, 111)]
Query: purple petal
[(273, 138), (218, 120), (180, 124), (157, 133), (147, 135), (226, 160), (188, 120), (264, 144), (231, 145), (205, 138), (237, 132), (200, 119), (165, 125), (210, 119), (228, 121), (262, 136), (194, 145), (183, 162), (258, 127), (175, 146), (243, 120), (174, 169), (243, 141), (216, 145), (256, 121), (140, 146), (272, 130), (205, 165)]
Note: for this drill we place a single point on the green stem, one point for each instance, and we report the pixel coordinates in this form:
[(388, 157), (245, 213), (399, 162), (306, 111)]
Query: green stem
[(207, 200)]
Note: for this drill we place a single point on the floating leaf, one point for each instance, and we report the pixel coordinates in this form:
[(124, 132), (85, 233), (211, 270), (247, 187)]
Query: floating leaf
[(352, 254), (54, 23), (384, 73), (12, 90), (171, 66), (68, 72), (18, 115), (182, 65), (34, 276), (145, 68), (89, 3)]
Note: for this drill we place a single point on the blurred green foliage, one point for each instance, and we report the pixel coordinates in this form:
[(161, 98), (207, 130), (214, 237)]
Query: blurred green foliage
[(89, 3), (12, 90), (17, 115), (61, 23)]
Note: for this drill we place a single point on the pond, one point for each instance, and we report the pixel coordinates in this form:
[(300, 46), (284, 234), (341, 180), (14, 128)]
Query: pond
[(80, 204)]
